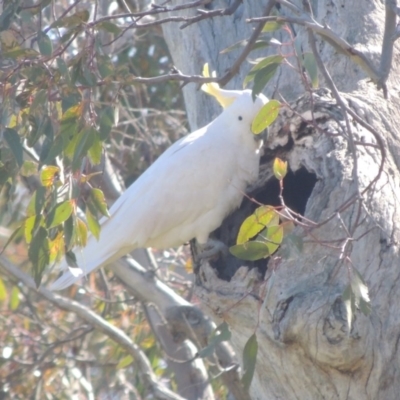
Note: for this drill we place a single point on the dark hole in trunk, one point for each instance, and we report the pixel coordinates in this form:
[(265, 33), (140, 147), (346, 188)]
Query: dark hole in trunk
[(297, 190)]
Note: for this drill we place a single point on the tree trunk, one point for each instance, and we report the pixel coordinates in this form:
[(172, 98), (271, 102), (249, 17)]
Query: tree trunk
[(297, 308)]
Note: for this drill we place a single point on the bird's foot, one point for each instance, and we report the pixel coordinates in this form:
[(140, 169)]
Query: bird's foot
[(211, 249)]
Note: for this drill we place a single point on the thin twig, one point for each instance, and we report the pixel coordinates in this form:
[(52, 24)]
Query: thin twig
[(340, 102)]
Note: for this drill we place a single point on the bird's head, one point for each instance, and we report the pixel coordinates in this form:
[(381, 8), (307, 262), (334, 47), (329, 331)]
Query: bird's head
[(238, 104)]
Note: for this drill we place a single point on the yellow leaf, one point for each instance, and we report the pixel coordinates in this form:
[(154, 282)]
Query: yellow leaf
[(3, 291), (280, 168), (125, 362), (147, 342), (56, 247), (14, 301), (189, 265), (262, 217), (49, 174), (8, 39)]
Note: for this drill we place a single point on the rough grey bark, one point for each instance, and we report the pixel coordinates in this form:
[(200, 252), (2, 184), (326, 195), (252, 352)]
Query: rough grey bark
[(306, 350)]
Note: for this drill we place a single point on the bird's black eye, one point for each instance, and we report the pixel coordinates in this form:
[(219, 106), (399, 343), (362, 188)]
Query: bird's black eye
[(240, 118)]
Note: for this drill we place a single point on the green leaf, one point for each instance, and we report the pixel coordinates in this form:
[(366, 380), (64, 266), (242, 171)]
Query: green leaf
[(297, 241), (54, 150), (23, 99), (310, 66), (37, 202), (289, 242), (64, 71), (14, 143), (348, 299), (81, 233), (9, 13), (73, 138), (274, 238), (270, 63), (272, 26), (99, 201), (298, 47), (72, 20), (105, 66), (266, 116), (259, 44), (262, 77), (106, 122), (85, 140), (40, 126), (3, 291), (68, 34), (70, 232), (262, 217), (365, 307), (35, 73), (39, 254), (109, 27), (44, 154), (96, 151), (87, 77), (93, 224), (249, 361), (250, 251), (45, 44), (360, 290), (5, 175), (59, 214), (73, 266), (49, 174), (38, 101), (125, 362), (18, 53), (30, 226), (235, 46), (69, 129), (14, 300), (220, 334)]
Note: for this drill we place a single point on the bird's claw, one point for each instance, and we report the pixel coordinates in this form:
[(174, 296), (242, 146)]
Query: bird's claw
[(212, 249)]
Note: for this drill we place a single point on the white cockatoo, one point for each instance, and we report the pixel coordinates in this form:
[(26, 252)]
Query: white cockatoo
[(186, 193)]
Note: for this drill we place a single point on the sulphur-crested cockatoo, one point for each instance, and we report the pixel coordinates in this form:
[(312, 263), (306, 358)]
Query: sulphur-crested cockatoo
[(186, 193)]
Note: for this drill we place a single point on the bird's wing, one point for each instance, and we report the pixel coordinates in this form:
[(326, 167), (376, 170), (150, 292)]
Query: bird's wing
[(183, 183)]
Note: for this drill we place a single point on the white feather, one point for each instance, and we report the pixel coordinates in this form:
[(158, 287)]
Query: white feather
[(185, 194)]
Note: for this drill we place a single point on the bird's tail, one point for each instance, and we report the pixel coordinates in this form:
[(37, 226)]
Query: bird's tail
[(95, 255)]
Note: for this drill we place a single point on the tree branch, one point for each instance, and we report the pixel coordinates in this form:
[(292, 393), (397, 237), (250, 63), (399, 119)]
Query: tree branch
[(184, 318), (389, 37), (236, 66), (332, 38), (378, 75), (158, 390)]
